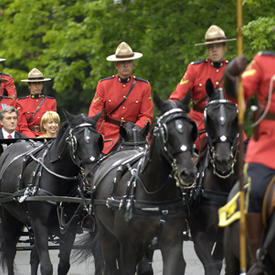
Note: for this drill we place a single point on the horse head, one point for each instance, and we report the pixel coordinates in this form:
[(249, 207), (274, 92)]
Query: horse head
[(84, 141), (176, 133), (132, 135), (221, 125)]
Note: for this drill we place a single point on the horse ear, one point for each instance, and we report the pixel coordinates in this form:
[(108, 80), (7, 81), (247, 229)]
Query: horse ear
[(68, 116), (145, 130), (95, 118), (209, 87), (186, 100), (158, 101)]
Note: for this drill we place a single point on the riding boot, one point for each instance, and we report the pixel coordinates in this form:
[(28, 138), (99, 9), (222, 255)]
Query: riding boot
[(254, 227)]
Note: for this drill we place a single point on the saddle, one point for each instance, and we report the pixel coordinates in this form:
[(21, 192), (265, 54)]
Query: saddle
[(231, 211), (21, 149), (114, 161)]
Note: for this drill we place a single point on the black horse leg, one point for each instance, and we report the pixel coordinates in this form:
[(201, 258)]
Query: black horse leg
[(11, 230), (145, 266), (171, 246), (128, 256), (34, 261), (98, 258), (218, 255), (66, 244), (203, 247), (41, 243), (172, 255), (110, 251)]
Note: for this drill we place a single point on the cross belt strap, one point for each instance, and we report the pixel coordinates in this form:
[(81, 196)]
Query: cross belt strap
[(124, 98), (37, 109)]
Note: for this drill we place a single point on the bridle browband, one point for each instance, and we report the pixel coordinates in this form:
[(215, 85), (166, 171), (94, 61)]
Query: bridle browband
[(222, 138)]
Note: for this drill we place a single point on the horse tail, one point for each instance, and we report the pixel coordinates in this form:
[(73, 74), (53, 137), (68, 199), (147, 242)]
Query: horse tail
[(86, 246)]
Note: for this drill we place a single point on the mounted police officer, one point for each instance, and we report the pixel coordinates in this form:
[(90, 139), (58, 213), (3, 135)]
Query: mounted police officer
[(123, 97), (32, 107), (199, 72), (258, 79), (8, 92)]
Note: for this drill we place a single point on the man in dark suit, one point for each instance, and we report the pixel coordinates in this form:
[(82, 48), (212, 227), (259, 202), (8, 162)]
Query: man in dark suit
[(8, 121)]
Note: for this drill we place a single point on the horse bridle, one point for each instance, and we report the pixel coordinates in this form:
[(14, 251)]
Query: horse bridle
[(222, 138), (73, 144), (162, 130)]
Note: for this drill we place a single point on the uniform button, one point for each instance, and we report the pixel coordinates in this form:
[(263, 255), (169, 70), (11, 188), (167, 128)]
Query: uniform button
[(38, 117), (136, 101), (217, 70), (122, 118), (217, 83), (110, 100), (28, 112), (123, 85), (200, 84), (123, 107)]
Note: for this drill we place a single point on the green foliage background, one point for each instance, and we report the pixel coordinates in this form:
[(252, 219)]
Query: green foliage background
[(70, 40)]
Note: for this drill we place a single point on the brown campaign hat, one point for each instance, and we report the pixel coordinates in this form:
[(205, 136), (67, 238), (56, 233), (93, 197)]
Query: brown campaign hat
[(35, 76), (2, 59), (215, 35), (124, 53)]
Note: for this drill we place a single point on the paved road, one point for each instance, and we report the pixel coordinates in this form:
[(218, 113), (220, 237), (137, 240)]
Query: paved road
[(194, 267)]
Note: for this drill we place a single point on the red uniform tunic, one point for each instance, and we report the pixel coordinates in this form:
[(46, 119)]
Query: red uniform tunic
[(30, 125), (138, 107), (256, 80), (194, 79), (8, 86)]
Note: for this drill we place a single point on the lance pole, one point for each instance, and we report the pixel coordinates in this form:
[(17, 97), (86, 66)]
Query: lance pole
[(241, 155)]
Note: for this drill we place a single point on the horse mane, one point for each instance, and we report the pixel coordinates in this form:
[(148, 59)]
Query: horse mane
[(59, 144)]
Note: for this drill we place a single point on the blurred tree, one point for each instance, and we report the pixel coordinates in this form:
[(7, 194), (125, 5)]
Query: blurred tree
[(70, 40)]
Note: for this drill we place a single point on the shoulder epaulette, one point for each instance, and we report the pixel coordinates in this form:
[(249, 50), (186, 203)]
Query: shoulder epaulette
[(106, 78), (140, 79), (266, 53), (5, 74), (199, 62), (51, 97), (22, 97)]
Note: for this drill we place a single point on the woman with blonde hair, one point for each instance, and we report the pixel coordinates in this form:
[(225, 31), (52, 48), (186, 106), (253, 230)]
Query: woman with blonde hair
[(49, 125)]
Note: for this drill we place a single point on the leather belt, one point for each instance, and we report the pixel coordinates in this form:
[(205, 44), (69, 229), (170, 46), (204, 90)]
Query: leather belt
[(198, 109), (270, 116), (35, 128), (113, 121)]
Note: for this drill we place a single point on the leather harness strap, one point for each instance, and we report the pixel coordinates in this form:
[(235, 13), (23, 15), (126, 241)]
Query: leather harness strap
[(114, 121)]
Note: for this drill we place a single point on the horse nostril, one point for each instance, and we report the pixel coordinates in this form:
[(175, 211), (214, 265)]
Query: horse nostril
[(188, 175)]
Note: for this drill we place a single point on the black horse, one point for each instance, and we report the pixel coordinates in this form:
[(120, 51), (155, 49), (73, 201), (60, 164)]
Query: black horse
[(137, 195), (131, 137), (217, 174), (36, 180), (266, 254)]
